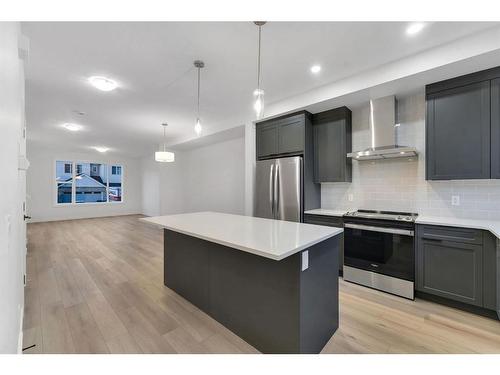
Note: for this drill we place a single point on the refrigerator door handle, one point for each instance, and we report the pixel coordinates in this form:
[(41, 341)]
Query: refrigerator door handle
[(277, 192), (271, 189)]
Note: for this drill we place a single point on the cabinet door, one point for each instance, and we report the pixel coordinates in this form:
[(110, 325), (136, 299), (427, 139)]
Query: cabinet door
[(495, 128), (450, 269), (458, 133), (329, 154), (267, 140), (333, 221), (490, 271), (291, 135)]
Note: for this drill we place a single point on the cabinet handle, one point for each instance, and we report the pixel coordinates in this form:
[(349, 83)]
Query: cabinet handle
[(432, 239)]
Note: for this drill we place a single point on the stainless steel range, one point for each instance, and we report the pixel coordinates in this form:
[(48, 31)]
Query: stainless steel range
[(379, 250)]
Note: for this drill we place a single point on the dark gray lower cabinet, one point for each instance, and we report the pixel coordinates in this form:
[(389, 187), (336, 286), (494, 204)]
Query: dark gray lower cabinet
[(458, 264), (490, 283), (452, 270), (273, 305), (330, 221)]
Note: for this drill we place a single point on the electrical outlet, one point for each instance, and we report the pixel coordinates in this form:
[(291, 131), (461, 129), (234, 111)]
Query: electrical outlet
[(455, 200), (305, 260), (350, 197)]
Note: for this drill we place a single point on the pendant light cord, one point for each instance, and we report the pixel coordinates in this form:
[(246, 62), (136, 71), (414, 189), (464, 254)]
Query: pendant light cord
[(164, 137), (258, 60), (199, 69)]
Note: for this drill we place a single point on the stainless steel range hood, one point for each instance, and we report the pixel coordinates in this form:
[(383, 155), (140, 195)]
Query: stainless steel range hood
[(383, 124)]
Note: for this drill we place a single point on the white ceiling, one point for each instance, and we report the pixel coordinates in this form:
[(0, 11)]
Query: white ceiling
[(152, 63)]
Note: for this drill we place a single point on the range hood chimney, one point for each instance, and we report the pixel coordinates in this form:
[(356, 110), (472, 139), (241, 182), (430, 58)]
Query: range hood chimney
[(383, 124)]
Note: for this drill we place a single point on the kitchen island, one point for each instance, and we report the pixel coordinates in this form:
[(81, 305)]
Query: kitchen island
[(273, 283)]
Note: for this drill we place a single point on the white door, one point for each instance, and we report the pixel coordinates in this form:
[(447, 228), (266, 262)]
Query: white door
[(21, 183)]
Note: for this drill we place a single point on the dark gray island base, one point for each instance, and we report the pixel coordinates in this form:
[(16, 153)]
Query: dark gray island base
[(273, 305)]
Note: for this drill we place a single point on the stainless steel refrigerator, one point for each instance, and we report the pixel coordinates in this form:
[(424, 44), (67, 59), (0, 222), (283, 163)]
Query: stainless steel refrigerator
[(279, 189)]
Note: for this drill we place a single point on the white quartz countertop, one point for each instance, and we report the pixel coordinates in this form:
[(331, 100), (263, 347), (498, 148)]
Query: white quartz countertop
[(274, 239), (325, 212), (491, 225)]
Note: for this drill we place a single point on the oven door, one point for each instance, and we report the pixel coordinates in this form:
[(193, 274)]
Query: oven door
[(388, 251)]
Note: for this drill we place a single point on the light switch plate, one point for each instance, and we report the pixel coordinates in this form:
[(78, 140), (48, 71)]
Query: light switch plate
[(305, 260), (350, 197), (455, 200)]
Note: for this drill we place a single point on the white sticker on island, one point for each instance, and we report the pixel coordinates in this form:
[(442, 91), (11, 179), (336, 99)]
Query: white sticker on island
[(305, 260)]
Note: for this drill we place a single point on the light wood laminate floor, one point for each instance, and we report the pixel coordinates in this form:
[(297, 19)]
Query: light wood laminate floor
[(96, 286)]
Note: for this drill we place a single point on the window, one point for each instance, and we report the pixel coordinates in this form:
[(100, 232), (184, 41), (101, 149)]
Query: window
[(91, 187), (64, 181), (115, 184), (91, 183)]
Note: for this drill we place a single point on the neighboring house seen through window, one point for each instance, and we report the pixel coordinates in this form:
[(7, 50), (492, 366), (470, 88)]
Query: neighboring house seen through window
[(67, 168), (91, 183)]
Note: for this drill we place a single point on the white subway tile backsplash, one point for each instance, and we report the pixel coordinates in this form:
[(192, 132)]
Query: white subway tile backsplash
[(400, 184)]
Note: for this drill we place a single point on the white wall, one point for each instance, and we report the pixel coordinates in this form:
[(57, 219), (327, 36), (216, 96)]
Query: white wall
[(210, 177), (41, 185), (150, 179), (11, 222), (172, 193), (214, 178), (400, 184), (162, 186)]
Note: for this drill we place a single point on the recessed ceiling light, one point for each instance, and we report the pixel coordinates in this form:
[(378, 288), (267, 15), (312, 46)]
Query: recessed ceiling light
[(315, 69), (101, 149), (415, 28), (103, 83), (72, 127)]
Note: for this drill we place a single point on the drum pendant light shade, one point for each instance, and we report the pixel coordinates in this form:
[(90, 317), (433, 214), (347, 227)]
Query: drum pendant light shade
[(164, 156)]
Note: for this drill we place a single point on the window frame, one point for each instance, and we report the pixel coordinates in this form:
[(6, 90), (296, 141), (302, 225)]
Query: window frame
[(73, 163)]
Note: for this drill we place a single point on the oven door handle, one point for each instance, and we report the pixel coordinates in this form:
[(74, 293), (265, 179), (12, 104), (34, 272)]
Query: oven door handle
[(404, 232)]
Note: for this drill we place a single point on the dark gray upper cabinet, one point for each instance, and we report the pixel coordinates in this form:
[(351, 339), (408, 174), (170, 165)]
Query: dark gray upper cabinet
[(267, 140), (495, 128), (332, 141), (458, 133), (281, 136), (463, 127), (291, 135), (449, 268)]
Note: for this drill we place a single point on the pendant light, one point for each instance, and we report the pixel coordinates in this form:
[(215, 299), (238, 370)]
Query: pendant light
[(197, 127), (258, 94), (163, 156)]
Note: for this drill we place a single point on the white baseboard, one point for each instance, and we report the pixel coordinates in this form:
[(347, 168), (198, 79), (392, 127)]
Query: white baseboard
[(65, 218)]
